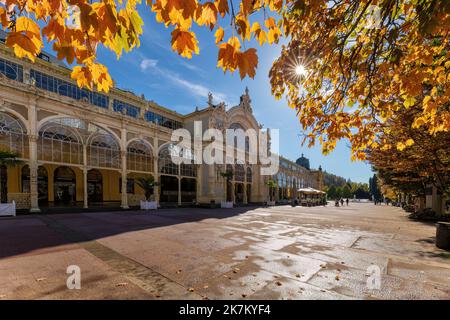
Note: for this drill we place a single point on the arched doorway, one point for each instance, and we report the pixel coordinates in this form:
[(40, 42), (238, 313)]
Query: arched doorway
[(168, 179), (229, 191), (64, 186), (188, 190), (42, 183), (3, 184), (94, 186), (239, 192), (169, 189)]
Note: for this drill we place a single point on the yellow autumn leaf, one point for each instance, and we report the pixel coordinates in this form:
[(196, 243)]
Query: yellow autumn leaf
[(24, 24), (184, 43), (401, 146), (220, 33), (409, 102), (409, 142)]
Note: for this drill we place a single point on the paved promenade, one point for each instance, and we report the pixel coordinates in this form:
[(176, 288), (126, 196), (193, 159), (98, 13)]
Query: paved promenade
[(243, 253)]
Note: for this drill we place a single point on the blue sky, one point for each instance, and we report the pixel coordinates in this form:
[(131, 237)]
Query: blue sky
[(161, 75)]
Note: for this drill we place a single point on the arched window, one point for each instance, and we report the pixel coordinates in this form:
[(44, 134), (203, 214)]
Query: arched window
[(13, 135), (237, 126), (165, 163), (60, 142), (187, 167), (279, 180), (239, 172), (103, 150), (139, 157), (188, 170), (249, 175)]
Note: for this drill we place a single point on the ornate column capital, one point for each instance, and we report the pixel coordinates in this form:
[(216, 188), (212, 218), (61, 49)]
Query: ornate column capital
[(32, 138)]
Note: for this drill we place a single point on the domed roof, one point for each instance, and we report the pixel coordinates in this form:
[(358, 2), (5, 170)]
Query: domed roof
[(303, 161)]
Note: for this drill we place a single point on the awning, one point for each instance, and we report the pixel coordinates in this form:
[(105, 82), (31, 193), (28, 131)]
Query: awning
[(310, 191)]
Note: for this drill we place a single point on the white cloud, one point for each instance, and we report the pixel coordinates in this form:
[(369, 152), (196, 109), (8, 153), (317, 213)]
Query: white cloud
[(196, 89), (148, 63), (193, 88)]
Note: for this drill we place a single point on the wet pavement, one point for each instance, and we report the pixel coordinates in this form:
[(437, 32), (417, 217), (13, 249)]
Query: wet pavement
[(357, 252)]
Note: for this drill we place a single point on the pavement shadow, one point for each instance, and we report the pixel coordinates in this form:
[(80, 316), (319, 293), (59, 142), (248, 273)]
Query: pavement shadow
[(40, 233)]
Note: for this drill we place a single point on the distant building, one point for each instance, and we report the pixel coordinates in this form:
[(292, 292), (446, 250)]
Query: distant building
[(296, 175)]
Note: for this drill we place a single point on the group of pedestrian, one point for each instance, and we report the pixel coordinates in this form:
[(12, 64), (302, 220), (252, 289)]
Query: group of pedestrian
[(342, 202)]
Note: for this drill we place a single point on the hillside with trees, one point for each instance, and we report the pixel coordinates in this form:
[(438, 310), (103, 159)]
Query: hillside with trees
[(338, 187)]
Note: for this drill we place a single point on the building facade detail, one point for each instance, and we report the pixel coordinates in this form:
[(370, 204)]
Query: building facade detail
[(84, 148)]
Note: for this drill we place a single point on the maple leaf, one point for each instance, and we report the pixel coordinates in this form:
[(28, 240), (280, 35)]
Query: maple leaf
[(220, 33), (3, 18), (222, 7), (22, 45), (259, 34), (227, 57), (184, 42), (247, 63), (206, 14), (65, 51)]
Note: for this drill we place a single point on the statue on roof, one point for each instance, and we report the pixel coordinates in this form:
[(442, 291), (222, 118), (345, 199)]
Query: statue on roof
[(246, 101), (210, 99)]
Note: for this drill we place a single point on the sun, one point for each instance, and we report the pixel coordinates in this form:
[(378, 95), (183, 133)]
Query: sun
[(300, 70)]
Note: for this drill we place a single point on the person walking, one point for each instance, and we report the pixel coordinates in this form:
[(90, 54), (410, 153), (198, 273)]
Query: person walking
[(342, 202), (347, 201)]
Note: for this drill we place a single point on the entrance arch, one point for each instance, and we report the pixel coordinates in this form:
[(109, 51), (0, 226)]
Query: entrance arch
[(42, 183), (95, 186), (64, 182), (169, 189), (239, 192), (188, 190), (3, 184)]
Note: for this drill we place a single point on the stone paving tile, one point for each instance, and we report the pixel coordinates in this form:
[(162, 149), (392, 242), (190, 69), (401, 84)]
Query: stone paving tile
[(399, 247), (419, 272), (230, 286), (44, 277), (255, 253), (290, 289)]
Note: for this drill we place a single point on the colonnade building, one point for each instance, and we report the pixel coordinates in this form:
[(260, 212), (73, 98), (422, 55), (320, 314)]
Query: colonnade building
[(86, 148)]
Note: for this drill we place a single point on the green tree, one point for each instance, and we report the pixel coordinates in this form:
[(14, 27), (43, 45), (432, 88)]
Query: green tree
[(374, 188), (8, 159), (148, 185), (272, 185), (346, 191), (332, 192)]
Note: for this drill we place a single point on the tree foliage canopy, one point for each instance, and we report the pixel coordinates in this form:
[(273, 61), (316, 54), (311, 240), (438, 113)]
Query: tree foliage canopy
[(348, 66)]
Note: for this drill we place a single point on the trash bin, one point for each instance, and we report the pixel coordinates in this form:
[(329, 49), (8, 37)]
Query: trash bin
[(443, 235)]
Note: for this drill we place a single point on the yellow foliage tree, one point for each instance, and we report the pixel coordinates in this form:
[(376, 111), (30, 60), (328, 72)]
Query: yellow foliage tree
[(347, 67)]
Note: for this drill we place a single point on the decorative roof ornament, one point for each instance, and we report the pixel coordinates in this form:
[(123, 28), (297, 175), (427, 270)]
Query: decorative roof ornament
[(210, 99), (303, 161), (246, 102)]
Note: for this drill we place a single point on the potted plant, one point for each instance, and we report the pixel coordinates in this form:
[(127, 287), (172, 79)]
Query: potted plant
[(8, 159), (148, 185), (228, 175), (272, 186)]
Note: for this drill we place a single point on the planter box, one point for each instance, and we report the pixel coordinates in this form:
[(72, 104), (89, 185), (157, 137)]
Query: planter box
[(271, 203), (8, 209), (149, 205), (226, 205)]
